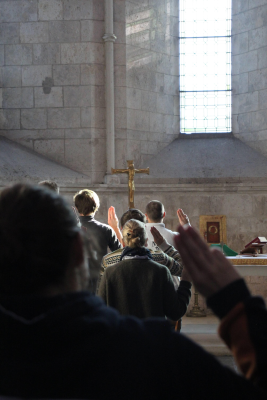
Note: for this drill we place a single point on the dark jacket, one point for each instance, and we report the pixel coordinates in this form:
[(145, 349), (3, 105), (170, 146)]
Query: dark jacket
[(102, 237), (144, 288), (73, 346)]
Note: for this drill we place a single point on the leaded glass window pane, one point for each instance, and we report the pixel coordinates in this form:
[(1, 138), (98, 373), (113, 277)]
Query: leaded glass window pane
[(199, 18), (205, 66), (206, 112)]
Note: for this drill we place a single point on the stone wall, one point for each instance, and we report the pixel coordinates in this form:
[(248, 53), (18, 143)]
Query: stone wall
[(52, 76), (121, 99), (152, 69), (249, 72)]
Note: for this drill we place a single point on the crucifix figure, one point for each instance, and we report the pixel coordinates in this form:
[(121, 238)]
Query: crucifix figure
[(131, 171)]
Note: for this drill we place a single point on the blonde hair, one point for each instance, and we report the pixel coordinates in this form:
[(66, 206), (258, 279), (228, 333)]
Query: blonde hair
[(134, 233)]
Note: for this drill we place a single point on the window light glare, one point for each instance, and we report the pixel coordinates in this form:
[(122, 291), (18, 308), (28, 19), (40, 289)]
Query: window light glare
[(205, 66)]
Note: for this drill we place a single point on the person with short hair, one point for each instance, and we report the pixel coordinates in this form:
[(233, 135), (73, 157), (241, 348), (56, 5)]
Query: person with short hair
[(102, 236), (139, 286), (155, 214), (87, 202), (132, 213), (52, 185), (155, 211), (60, 341)]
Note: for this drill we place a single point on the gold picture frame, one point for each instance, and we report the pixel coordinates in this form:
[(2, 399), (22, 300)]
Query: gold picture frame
[(219, 220)]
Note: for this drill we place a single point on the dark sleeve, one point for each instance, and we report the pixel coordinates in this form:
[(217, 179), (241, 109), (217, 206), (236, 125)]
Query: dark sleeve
[(101, 272), (243, 328), (175, 302), (199, 375), (113, 241), (102, 288), (171, 366)]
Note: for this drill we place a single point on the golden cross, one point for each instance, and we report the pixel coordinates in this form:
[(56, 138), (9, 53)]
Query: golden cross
[(131, 171)]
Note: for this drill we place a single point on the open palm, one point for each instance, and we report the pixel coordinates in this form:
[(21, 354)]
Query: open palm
[(183, 218)]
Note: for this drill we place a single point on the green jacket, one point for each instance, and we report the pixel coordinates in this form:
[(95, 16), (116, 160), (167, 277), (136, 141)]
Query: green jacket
[(144, 288), (166, 255)]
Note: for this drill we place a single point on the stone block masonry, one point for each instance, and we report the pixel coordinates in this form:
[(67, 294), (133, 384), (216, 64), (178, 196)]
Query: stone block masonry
[(52, 78), (152, 78), (249, 72), (52, 70)]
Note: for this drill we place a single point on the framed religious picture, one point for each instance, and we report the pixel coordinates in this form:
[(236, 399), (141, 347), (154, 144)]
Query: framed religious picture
[(213, 228)]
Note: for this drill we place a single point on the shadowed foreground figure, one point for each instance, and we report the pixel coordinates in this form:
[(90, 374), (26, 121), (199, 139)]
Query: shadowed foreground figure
[(59, 341)]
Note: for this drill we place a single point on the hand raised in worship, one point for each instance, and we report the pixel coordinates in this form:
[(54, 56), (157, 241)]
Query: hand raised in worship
[(112, 218), (182, 217), (158, 238), (209, 269)]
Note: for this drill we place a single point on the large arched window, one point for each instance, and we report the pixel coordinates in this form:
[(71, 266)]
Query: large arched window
[(205, 66)]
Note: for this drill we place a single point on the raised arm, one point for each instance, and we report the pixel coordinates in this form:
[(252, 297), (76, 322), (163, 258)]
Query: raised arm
[(114, 223), (243, 318), (176, 302), (172, 259), (209, 269)]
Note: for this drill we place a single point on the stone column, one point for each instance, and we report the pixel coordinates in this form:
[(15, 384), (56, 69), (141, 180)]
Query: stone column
[(109, 39)]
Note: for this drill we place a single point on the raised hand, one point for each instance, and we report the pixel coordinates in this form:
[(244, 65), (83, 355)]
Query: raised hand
[(112, 218), (209, 269), (114, 223), (158, 238), (183, 218)]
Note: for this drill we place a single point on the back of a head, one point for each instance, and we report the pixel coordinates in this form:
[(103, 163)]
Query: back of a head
[(86, 201), (155, 210), (50, 185), (134, 233), (132, 213), (36, 230)]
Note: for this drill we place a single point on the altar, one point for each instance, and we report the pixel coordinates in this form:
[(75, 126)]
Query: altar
[(254, 272), (250, 266)]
